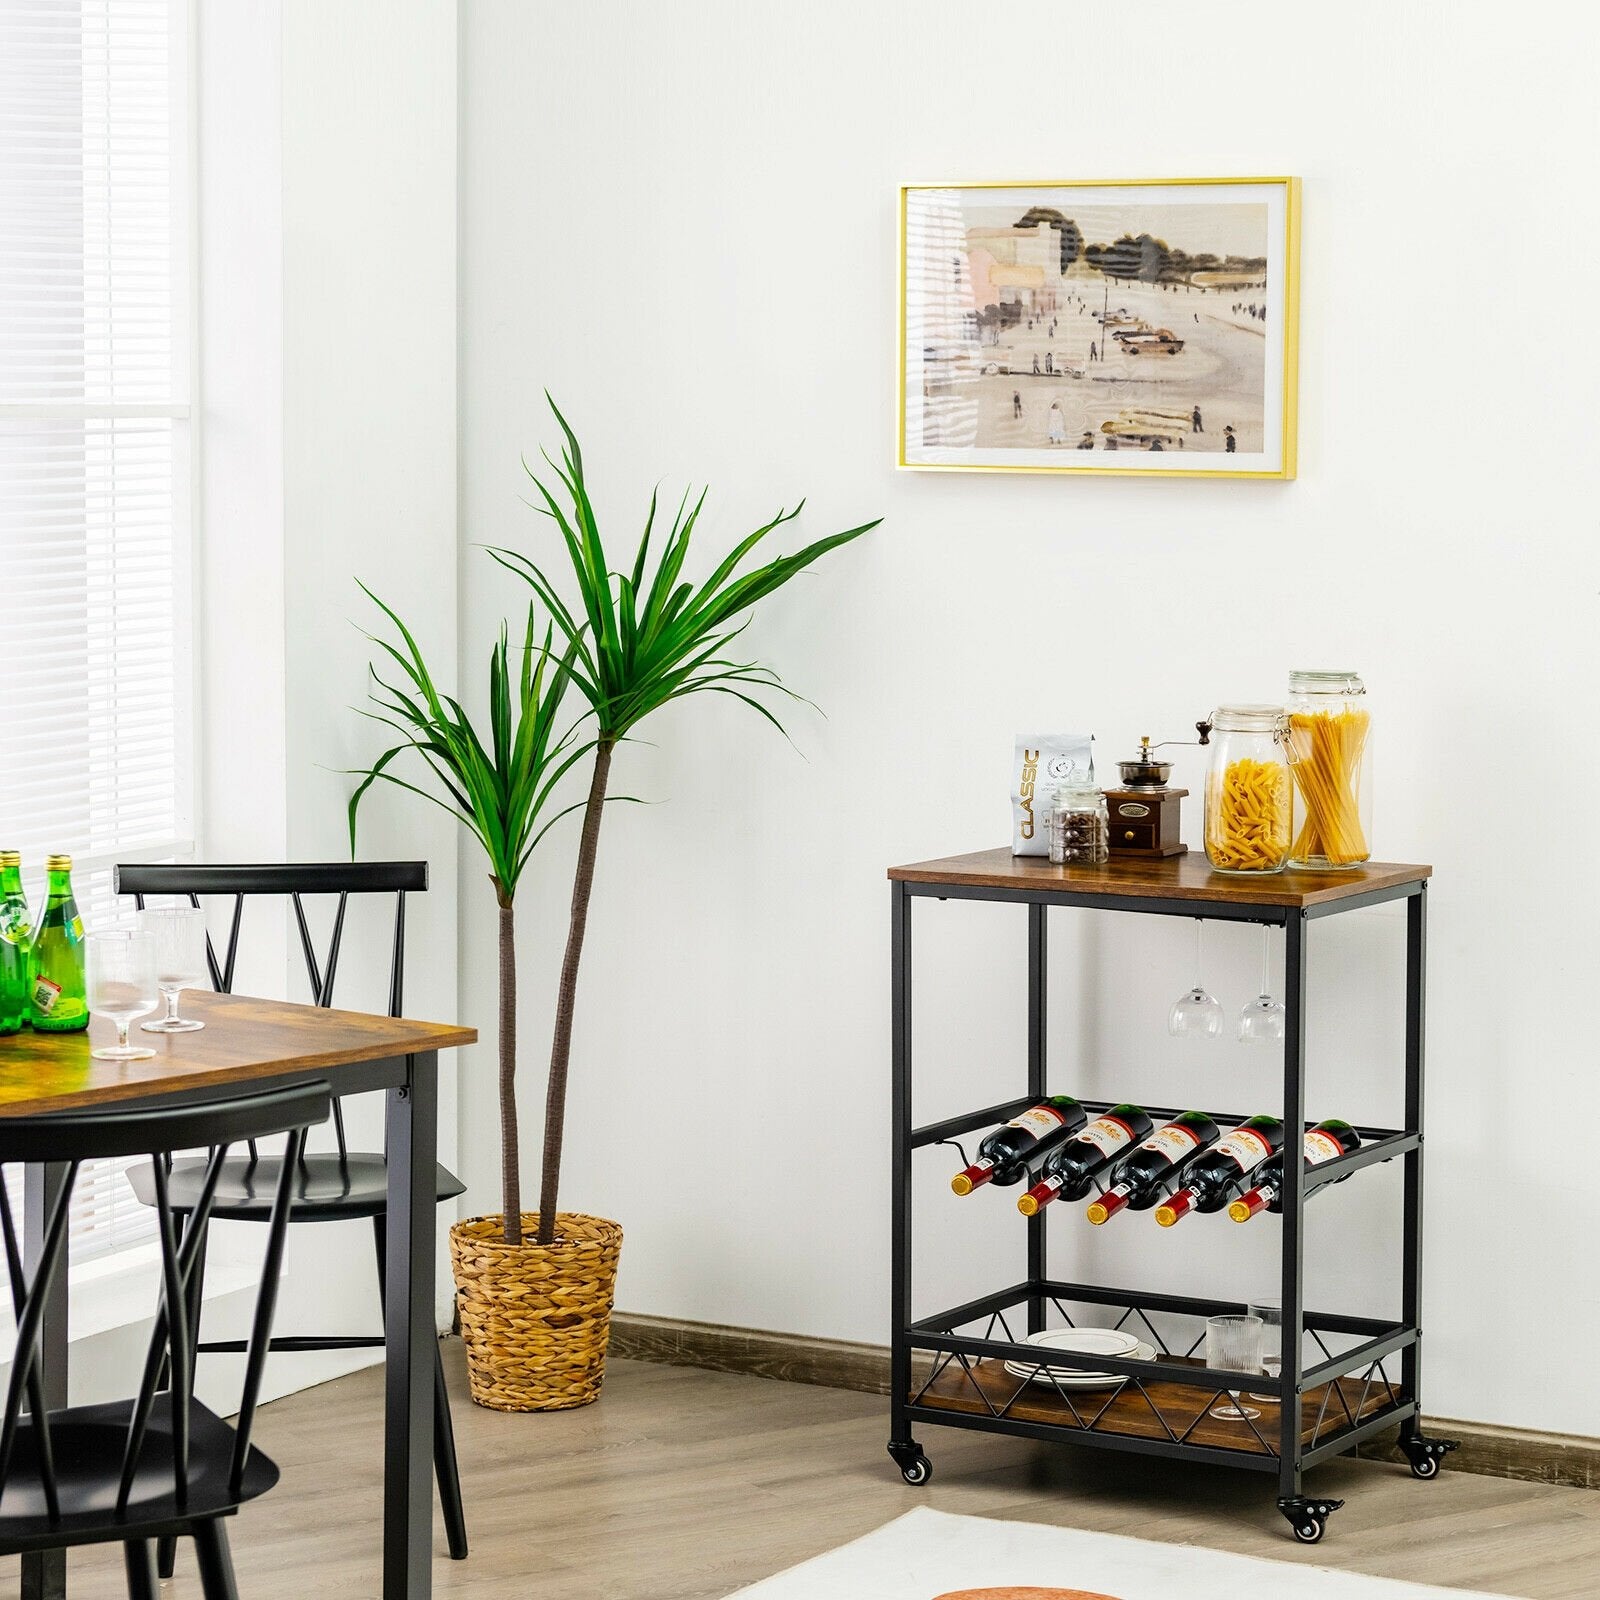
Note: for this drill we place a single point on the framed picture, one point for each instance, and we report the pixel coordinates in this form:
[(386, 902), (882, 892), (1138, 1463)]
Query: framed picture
[(1140, 327)]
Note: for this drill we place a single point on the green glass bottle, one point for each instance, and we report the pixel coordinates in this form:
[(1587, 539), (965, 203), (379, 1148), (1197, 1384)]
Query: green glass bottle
[(16, 946), (60, 995)]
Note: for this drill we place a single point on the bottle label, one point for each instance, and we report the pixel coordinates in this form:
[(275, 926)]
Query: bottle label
[(1039, 1121), (1321, 1147), (45, 995), (1245, 1146), (77, 929), (1107, 1134), (1055, 1183), (1174, 1141), (982, 1164)]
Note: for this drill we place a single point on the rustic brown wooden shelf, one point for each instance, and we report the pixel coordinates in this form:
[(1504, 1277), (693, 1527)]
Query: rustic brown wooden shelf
[(1159, 1411), (1186, 877)]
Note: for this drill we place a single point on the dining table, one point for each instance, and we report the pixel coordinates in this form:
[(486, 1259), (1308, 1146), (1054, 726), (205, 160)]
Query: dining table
[(252, 1043)]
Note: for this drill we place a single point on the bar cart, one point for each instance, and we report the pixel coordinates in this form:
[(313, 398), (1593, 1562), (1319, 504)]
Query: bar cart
[(949, 1368)]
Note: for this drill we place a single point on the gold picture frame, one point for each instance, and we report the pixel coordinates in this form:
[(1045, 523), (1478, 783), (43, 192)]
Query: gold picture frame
[(1008, 287)]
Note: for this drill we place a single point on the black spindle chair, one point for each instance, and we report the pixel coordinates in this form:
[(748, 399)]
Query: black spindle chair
[(340, 1185), (159, 1465)]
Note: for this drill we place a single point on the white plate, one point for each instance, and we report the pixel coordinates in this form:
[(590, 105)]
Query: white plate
[(1069, 1378), (1085, 1341)]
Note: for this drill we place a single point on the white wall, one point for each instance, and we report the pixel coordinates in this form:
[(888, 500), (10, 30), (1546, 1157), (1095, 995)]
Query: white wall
[(327, 266), (682, 222)]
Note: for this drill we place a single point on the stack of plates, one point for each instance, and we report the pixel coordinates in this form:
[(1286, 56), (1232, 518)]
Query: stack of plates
[(1082, 1342)]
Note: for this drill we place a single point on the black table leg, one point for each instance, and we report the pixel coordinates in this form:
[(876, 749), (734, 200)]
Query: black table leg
[(44, 1573), (410, 1334)]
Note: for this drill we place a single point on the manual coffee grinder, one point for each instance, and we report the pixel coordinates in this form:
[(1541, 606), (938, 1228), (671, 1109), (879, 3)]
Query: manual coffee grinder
[(1145, 812)]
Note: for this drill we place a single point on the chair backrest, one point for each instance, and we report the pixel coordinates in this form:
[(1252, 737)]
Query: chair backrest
[(74, 1137), (341, 878)]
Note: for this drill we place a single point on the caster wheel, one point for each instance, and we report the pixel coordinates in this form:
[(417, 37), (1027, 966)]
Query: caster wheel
[(1426, 1467), (917, 1472), (1309, 1530)]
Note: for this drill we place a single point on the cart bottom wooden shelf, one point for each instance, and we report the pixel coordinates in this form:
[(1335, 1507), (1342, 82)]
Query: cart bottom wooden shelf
[(1171, 1413)]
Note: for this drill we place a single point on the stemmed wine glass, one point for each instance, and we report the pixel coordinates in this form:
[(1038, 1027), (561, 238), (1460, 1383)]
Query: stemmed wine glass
[(122, 986), (1261, 1020), (1270, 1310), (1195, 1013), (179, 935)]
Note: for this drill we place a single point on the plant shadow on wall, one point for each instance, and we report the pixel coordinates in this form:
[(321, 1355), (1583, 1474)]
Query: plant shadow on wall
[(535, 1313)]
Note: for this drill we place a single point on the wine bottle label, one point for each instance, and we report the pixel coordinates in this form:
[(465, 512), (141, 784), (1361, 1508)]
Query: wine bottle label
[(1321, 1147), (1174, 1141), (45, 995), (1038, 1121), (1245, 1146), (1107, 1134), (1055, 1183), (982, 1164)]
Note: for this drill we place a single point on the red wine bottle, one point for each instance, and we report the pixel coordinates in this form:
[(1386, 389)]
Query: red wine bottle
[(1213, 1179), (1069, 1169), (1004, 1154), (1150, 1172), (1326, 1141)]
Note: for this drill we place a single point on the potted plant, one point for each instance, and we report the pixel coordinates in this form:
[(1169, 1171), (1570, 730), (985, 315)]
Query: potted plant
[(535, 1314)]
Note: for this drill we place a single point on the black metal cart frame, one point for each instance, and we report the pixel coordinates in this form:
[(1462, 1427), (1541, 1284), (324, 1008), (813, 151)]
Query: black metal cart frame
[(1336, 1427)]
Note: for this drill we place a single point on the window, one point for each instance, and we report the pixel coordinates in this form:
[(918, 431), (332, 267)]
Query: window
[(96, 319)]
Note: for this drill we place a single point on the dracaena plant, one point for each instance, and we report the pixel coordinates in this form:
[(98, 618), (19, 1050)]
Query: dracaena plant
[(499, 787), (634, 642)]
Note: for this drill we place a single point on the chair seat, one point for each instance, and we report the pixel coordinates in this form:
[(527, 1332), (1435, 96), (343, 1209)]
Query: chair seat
[(88, 1443), (326, 1188)]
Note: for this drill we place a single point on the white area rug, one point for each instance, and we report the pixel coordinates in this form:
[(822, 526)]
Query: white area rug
[(931, 1555)]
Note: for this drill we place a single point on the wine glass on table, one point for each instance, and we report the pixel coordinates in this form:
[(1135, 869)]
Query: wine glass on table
[(179, 934), (1196, 1014), (1233, 1344), (122, 986), (1270, 1310)]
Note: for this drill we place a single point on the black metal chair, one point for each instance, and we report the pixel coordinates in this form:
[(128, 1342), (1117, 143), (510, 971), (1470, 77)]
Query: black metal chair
[(160, 1465), (334, 1186)]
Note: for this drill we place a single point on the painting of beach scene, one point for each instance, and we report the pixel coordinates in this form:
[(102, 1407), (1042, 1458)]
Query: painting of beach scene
[(1085, 327)]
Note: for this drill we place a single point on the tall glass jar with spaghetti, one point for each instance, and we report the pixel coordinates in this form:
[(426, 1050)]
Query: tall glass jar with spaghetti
[(1330, 754), (1249, 802)]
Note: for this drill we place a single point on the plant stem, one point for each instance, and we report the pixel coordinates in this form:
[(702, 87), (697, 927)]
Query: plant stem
[(555, 1108), (510, 1165)]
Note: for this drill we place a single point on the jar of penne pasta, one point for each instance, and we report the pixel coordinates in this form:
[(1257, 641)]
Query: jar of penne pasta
[(1249, 798), (1330, 755)]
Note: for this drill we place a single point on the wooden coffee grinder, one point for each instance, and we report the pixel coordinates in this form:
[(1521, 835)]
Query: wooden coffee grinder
[(1144, 812)]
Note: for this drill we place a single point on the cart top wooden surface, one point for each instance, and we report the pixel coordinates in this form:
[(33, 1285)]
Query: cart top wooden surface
[(1185, 877), (244, 1041)]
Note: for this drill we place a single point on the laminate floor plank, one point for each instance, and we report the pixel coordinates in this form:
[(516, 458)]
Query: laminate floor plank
[(681, 1484)]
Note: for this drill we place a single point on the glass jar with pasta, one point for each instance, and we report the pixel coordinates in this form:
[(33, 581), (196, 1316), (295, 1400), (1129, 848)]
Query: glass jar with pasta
[(1330, 755), (1249, 799)]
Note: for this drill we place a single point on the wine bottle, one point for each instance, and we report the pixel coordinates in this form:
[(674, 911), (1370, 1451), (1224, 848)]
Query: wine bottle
[(1329, 1139), (1150, 1172), (1070, 1168), (16, 945), (1213, 1179), (1004, 1154), (59, 1002)]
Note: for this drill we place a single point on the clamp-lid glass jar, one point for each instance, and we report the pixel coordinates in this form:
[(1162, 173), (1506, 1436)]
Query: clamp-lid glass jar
[(1080, 826), (1249, 799), (1330, 752)]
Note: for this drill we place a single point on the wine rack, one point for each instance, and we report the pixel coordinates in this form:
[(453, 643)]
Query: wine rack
[(1362, 1376)]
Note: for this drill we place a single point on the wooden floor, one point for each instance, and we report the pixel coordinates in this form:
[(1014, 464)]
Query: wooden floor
[(685, 1485)]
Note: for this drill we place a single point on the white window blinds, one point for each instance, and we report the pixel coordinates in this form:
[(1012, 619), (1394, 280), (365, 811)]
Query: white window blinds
[(95, 534)]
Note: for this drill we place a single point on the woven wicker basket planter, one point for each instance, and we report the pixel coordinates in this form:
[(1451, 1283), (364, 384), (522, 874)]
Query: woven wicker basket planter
[(535, 1318)]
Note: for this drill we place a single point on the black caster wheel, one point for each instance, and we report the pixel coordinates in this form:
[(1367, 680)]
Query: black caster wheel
[(1308, 1518), (914, 1466), (1426, 1455)]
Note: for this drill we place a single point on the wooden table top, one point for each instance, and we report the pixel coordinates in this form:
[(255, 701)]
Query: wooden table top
[(1186, 877), (244, 1039)]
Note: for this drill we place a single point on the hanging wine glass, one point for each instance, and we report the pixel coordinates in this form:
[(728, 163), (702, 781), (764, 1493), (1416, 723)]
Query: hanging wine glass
[(1261, 1020), (1196, 1014)]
